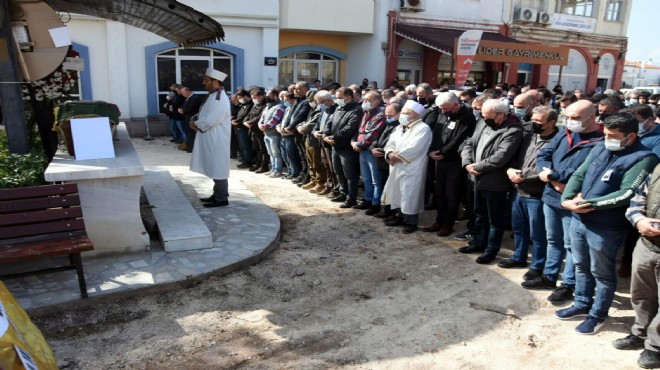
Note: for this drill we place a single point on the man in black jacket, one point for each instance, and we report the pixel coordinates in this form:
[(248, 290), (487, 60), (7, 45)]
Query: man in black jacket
[(190, 107), (455, 124), (392, 113), (242, 132), (338, 133), (298, 114), (251, 122)]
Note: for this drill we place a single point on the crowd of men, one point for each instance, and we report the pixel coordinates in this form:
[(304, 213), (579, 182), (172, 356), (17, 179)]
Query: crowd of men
[(573, 176)]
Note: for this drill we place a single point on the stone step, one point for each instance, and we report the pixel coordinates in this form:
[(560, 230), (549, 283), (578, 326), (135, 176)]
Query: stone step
[(179, 224)]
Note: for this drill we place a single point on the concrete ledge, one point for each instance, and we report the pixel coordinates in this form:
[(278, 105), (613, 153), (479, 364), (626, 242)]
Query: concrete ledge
[(179, 226)]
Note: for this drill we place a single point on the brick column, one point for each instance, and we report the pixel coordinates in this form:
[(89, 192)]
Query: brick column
[(430, 66)]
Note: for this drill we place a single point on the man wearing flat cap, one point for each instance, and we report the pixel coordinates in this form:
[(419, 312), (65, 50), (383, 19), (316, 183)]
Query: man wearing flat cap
[(211, 150), (406, 153)]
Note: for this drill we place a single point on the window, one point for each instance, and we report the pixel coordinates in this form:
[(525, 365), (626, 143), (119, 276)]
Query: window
[(308, 67), (614, 10), (188, 67), (576, 7)]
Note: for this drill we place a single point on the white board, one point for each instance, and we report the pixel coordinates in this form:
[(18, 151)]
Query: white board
[(92, 138)]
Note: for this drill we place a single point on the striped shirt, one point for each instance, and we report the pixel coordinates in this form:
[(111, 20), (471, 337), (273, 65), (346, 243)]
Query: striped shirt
[(637, 209)]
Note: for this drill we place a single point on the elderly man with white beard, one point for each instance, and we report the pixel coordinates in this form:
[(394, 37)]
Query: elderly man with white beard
[(406, 153)]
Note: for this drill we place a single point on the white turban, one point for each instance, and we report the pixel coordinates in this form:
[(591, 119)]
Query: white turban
[(215, 74), (415, 106)]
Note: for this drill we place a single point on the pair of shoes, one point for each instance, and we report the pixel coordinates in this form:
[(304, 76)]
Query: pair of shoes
[(591, 325), (468, 235), (207, 199), (561, 294), (532, 274), (373, 210), (317, 189), (325, 191), (275, 175), (391, 217), (288, 177), (509, 263), (243, 165), (262, 170), (409, 229), (182, 146), (469, 248), (254, 168), (383, 214), (365, 204), (216, 203), (339, 198), (348, 204), (445, 231), (649, 359), (397, 221), (540, 282), (309, 185), (624, 270), (432, 229), (571, 312), (630, 342), (485, 259)]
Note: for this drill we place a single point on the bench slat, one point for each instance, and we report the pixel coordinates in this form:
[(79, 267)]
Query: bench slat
[(51, 248), (44, 237), (7, 232), (38, 191), (33, 204), (40, 216)]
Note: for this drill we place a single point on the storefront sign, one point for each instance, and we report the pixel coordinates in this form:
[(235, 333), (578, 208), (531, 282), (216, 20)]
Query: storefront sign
[(410, 54), (270, 61), (465, 51), (569, 22), (509, 52)]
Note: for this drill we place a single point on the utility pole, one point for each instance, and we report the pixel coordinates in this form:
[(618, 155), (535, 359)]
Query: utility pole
[(11, 97)]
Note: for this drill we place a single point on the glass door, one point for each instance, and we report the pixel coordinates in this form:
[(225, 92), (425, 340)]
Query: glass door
[(308, 71)]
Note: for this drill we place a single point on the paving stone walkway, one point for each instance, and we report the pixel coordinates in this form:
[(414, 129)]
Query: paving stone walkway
[(243, 233)]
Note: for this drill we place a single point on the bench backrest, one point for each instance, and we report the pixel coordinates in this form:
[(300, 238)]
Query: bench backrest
[(37, 213)]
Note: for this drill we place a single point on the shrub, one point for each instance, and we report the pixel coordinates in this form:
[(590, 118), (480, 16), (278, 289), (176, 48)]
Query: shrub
[(18, 170)]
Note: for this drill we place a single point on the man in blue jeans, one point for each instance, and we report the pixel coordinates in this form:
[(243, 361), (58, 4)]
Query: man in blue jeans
[(556, 163), (527, 215), (598, 195)]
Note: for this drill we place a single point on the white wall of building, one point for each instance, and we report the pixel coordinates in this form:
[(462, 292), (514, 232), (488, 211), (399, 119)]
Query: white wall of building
[(342, 16), (465, 11), (365, 53)]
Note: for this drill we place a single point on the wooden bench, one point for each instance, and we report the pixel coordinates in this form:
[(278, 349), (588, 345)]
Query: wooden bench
[(43, 221)]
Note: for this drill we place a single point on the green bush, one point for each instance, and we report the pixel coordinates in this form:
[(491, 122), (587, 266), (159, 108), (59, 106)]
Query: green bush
[(18, 170)]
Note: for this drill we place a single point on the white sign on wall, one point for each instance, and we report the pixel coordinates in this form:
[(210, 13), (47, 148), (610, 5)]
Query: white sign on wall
[(569, 22), (92, 138)]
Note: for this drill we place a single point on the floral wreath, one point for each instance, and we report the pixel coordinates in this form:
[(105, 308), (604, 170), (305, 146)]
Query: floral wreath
[(57, 84)]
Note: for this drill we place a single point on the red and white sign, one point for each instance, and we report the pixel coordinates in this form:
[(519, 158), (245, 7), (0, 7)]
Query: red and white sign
[(465, 52)]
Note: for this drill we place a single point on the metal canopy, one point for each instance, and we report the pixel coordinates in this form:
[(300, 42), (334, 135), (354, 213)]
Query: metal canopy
[(167, 18)]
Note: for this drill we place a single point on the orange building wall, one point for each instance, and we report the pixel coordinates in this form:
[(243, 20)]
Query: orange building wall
[(337, 42)]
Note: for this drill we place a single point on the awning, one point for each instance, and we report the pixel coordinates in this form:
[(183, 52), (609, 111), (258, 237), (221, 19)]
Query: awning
[(442, 39), (167, 18)]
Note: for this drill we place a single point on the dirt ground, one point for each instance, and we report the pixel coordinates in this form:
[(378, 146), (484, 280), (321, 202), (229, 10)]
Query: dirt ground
[(341, 291)]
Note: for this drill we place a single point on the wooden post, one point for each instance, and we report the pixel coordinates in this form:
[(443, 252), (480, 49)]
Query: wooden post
[(10, 91)]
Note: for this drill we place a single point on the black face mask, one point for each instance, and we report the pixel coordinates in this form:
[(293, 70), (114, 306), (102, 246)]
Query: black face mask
[(603, 116), (537, 128), (270, 100), (421, 101), (490, 122)]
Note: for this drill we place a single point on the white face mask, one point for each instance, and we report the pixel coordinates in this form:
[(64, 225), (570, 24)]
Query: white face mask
[(614, 145), (312, 104), (574, 126), (366, 106), (403, 119), (242, 101), (341, 102), (641, 127)]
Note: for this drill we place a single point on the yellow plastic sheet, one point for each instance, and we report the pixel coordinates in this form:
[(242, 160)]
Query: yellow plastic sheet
[(22, 346)]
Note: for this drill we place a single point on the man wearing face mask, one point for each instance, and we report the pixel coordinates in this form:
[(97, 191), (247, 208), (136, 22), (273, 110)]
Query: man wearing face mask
[(527, 216), (427, 100), (607, 107), (392, 113), (410, 91), (244, 142), (373, 123), (522, 107), (312, 146), (486, 156), (556, 163), (338, 133), (455, 124), (598, 195), (327, 106)]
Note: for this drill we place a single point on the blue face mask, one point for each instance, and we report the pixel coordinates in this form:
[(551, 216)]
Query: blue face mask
[(403, 119), (323, 107), (520, 112), (287, 104), (390, 119)]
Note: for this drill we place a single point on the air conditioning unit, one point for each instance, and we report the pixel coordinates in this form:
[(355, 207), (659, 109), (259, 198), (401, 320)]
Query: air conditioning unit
[(545, 18), (525, 15), (412, 5)]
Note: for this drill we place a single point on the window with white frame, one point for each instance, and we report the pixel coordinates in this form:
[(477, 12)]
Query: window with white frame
[(614, 10), (188, 67), (583, 8), (308, 67)]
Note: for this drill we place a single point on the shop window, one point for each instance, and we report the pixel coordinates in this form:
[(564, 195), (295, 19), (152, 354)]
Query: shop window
[(188, 67), (583, 8), (614, 10), (308, 67)]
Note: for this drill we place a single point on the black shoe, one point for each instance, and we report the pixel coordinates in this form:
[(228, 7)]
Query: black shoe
[(470, 249), (391, 217), (631, 342), (433, 228), (409, 229), (561, 294), (532, 274), (649, 359), (365, 204), (207, 199), (339, 198), (173, 141), (541, 282), (509, 263), (288, 177), (429, 206), (485, 259), (468, 235), (373, 211), (348, 204), (396, 222), (217, 203), (243, 165), (254, 168)]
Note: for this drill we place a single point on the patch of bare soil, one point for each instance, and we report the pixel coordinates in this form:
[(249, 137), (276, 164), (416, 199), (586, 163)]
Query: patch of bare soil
[(341, 291)]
